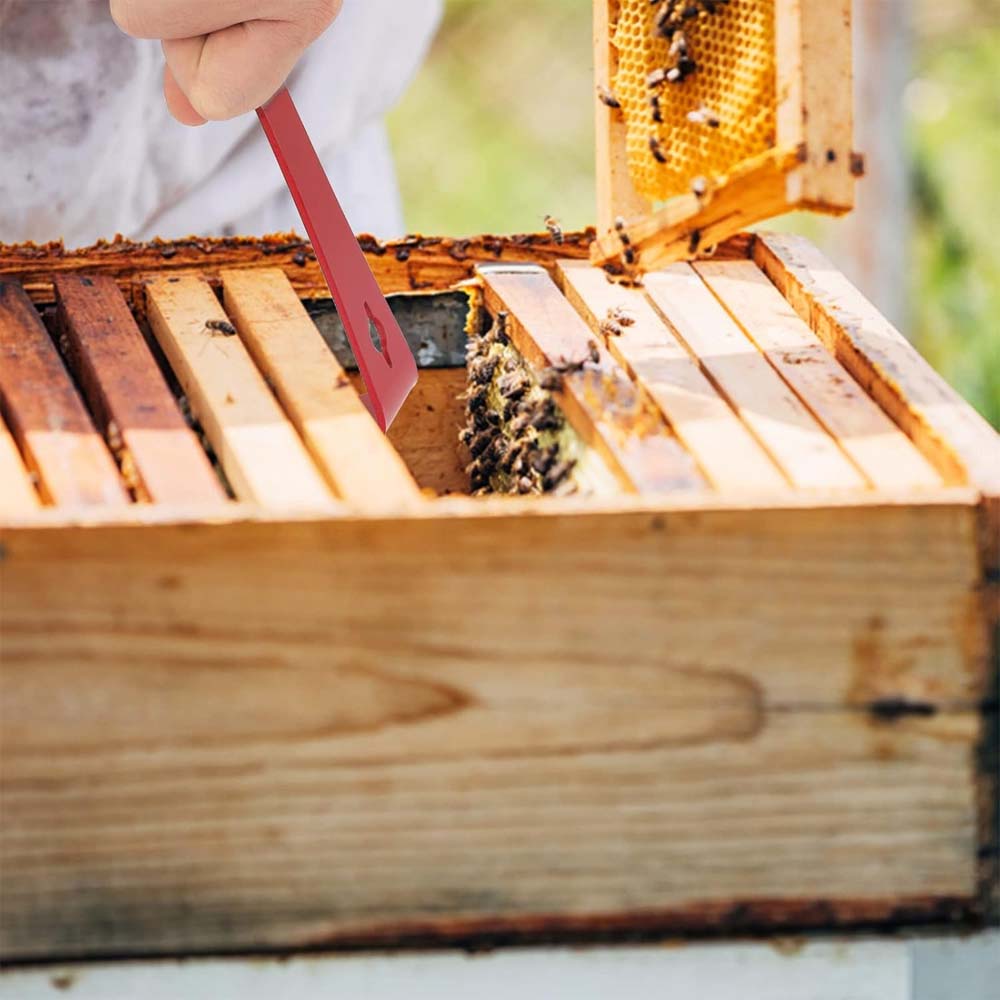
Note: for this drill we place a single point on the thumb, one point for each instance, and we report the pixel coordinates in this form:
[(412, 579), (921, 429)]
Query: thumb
[(180, 107), (229, 72)]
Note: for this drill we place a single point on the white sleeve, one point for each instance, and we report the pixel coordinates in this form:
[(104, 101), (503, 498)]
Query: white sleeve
[(90, 150)]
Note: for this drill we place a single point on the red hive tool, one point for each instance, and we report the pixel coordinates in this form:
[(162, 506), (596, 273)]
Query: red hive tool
[(389, 370)]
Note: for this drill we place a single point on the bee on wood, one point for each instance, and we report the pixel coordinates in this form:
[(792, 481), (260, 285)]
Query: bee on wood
[(525, 485), (555, 230), (621, 316), (551, 380), (593, 353), (699, 187), (623, 235), (657, 150), (565, 367), (557, 475), (695, 241), (630, 256), (299, 259), (221, 326), (606, 97), (609, 328)]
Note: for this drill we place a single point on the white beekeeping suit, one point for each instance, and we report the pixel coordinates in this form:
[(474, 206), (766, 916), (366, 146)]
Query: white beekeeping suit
[(88, 148)]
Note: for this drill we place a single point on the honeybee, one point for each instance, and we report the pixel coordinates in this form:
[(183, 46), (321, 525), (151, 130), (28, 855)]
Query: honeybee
[(704, 116), (605, 96), (555, 230)]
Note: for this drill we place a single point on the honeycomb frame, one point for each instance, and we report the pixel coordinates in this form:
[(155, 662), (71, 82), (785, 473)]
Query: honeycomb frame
[(762, 123)]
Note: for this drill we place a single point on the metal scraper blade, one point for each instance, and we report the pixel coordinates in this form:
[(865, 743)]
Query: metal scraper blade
[(388, 367)]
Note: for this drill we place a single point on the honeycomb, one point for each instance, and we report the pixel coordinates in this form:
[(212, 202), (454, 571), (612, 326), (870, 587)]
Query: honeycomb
[(733, 86)]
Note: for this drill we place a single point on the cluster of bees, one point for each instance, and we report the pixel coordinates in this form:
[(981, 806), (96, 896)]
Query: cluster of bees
[(513, 425)]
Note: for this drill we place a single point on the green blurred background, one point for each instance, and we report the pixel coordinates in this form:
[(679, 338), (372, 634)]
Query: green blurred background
[(497, 131)]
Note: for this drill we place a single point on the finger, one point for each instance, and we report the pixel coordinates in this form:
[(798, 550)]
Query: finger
[(234, 70), (170, 19), (188, 18), (180, 107)]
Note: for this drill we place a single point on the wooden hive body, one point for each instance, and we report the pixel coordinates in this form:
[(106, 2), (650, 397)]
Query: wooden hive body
[(313, 702)]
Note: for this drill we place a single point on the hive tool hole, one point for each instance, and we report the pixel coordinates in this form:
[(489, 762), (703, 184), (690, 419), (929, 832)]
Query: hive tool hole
[(377, 333)]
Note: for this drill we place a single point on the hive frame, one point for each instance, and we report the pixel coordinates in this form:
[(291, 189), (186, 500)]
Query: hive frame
[(811, 166)]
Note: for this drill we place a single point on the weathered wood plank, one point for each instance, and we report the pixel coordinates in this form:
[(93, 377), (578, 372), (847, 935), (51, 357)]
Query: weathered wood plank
[(884, 455), (260, 452), (374, 782), (752, 192), (957, 440), (17, 493), (357, 459), (726, 451), (45, 414), (159, 455), (616, 194), (815, 95), (806, 453), (599, 399)]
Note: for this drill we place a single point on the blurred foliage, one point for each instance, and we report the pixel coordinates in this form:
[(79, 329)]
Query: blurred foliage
[(955, 138), (497, 131)]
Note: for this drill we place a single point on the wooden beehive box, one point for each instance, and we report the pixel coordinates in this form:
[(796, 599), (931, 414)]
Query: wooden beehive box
[(751, 686)]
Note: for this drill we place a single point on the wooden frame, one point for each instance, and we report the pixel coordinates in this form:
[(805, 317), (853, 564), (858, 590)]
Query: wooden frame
[(811, 166), (764, 704)]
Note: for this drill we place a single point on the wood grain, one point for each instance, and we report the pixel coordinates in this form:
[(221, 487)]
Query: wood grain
[(958, 441), (815, 113), (17, 493), (805, 452), (649, 350), (258, 448), (45, 414), (616, 194), (358, 460), (600, 400), (426, 431), (413, 264), (160, 456), (686, 224), (292, 756), (876, 446)]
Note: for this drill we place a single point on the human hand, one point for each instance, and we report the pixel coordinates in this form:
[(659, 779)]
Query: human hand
[(225, 57)]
